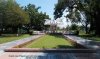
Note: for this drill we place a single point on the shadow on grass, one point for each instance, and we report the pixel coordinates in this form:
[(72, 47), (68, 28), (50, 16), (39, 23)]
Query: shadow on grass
[(90, 37), (57, 35), (86, 35), (70, 47), (64, 46)]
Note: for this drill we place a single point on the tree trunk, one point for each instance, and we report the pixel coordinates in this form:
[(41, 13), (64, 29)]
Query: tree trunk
[(97, 29), (86, 28)]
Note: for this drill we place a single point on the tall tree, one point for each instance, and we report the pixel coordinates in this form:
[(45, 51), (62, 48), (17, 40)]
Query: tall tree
[(12, 15), (36, 18), (90, 7)]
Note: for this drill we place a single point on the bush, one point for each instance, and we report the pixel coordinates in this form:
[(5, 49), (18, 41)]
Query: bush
[(31, 32), (74, 32), (73, 27)]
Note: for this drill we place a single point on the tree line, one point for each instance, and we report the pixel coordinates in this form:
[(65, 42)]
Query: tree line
[(75, 8), (14, 18)]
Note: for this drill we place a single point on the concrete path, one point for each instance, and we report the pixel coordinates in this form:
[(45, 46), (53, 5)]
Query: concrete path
[(86, 43), (17, 42)]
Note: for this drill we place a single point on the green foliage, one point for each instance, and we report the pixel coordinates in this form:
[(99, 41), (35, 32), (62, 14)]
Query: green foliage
[(15, 17), (37, 18), (59, 8), (90, 7), (12, 14), (74, 27)]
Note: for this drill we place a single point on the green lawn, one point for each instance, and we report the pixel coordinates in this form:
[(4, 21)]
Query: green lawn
[(50, 41), (8, 39)]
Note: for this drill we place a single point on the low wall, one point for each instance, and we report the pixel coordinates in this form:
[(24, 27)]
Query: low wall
[(77, 45), (25, 43), (51, 50)]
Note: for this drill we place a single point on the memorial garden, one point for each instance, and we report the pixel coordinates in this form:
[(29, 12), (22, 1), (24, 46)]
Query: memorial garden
[(72, 32)]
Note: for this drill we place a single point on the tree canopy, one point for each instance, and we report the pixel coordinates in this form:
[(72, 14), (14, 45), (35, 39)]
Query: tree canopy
[(14, 17), (12, 14), (37, 18), (91, 9)]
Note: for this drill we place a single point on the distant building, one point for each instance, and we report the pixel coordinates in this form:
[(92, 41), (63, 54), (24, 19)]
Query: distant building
[(52, 23)]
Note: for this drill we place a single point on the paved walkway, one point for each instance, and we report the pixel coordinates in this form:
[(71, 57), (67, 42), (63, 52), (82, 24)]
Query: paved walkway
[(86, 43), (17, 42)]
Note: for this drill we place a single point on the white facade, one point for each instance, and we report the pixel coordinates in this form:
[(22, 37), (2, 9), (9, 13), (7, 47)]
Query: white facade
[(59, 22)]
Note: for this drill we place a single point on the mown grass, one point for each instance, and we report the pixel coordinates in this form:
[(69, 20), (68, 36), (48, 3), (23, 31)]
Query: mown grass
[(50, 41), (8, 39)]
